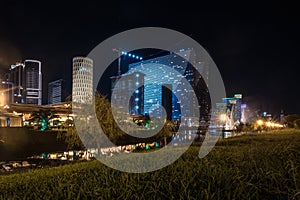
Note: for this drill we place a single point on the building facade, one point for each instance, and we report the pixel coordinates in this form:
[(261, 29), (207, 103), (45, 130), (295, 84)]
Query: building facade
[(176, 70), (26, 81), (82, 85), (56, 91), (32, 83), (124, 87), (16, 76)]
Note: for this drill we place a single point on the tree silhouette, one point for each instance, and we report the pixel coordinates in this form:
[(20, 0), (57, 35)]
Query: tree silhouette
[(87, 125), (42, 117)]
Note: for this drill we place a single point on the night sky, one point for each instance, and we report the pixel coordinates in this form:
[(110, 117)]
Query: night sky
[(254, 45)]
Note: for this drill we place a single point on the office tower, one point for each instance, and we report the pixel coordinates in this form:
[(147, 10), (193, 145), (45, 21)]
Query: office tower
[(281, 117), (234, 105), (16, 77), (177, 70), (82, 86), (167, 100), (56, 91), (32, 82), (243, 113), (216, 118), (238, 108), (123, 89)]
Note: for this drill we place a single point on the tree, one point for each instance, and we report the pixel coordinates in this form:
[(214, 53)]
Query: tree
[(167, 131), (69, 135), (42, 117), (290, 120), (106, 119), (87, 123), (297, 123)]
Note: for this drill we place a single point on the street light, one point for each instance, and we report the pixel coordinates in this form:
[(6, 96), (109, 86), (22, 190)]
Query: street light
[(223, 117), (260, 122)]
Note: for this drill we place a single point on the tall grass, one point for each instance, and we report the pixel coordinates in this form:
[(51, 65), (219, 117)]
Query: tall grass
[(257, 166)]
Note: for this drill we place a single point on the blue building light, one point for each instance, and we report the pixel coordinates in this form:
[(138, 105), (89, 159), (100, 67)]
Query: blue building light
[(137, 107), (131, 55), (137, 91), (137, 99)]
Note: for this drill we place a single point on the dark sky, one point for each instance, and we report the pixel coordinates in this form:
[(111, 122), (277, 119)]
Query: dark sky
[(254, 44)]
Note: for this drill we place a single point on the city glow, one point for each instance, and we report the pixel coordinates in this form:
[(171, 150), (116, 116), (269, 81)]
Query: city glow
[(273, 125)]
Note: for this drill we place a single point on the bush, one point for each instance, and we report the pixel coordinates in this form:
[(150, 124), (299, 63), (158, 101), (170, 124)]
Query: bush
[(297, 123)]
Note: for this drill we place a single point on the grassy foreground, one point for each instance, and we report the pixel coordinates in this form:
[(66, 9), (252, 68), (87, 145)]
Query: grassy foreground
[(257, 166)]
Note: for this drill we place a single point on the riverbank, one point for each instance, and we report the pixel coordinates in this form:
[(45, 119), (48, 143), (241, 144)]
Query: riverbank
[(20, 143), (251, 166)]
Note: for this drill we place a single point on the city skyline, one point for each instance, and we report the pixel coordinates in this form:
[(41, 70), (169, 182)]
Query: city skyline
[(256, 54)]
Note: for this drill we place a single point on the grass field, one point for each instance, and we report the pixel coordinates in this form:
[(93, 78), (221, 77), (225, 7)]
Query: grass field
[(256, 166)]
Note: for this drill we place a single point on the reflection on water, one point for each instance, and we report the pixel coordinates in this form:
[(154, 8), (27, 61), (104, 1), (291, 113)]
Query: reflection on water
[(189, 135), (227, 134), (221, 133)]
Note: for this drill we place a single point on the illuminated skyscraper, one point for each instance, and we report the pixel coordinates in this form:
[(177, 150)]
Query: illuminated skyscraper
[(82, 87), (243, 113), (56, 91), (173, 69), (238, 108), (234, 107), (26, 79), (127, 84), (32, 84), (16, 76)]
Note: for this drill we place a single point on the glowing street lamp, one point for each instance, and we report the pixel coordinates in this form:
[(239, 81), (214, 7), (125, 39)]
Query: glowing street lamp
[(260, 122), (269, 124), (223, 117)]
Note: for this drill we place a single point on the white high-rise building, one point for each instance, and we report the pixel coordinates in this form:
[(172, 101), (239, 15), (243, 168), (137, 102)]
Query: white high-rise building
[(82, 87)]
